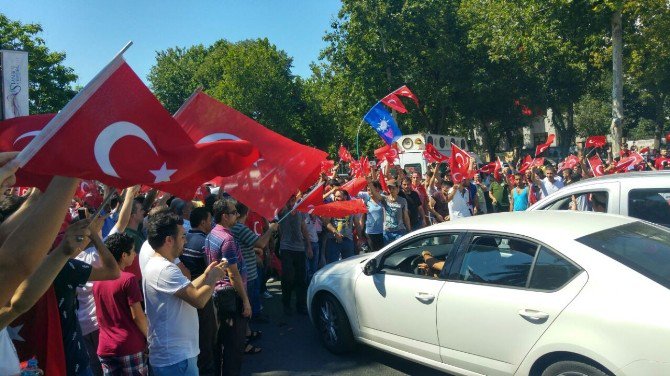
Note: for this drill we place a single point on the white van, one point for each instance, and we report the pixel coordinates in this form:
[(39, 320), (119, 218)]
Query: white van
[(412, 146)]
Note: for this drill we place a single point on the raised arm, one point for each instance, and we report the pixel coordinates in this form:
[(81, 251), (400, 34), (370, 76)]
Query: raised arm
[(126, 208)]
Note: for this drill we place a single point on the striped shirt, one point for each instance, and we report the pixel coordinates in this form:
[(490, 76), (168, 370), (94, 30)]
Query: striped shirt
[(194, 257), (220, 243), (246, 239)]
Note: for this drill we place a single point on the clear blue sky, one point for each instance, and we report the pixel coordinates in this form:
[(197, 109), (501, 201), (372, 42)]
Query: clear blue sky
[(92, 32)]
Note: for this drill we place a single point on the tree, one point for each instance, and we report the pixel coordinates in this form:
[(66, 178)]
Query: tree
[(50, 80), (171, 78)]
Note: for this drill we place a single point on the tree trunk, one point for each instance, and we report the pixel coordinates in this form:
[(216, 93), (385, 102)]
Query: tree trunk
[(659, 101), (617, 82), (487, 139)]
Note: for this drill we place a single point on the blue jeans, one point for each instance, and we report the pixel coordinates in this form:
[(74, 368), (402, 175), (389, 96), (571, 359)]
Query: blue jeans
[(393, 235), (313, 264), (253, 292), (335, 250), (187, 367)]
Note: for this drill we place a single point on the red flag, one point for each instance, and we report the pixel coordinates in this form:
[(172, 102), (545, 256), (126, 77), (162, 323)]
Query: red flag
[(121, 135), (526, 111), (497, 169), (570, 162), (625, 163), (433, 155), (404, 91), (661, 163), (538, 162), (596, 165), (365, 166), (595, 141), (644, 150), (339, 209), (38, 333), (202, 192), (284, 167), (394, 102), (525, 164), (355, 185), (539, 149), (387, 153), (382, 182), (489, 167), (345, 156), (311, 199), (327, 167), (459, 163)]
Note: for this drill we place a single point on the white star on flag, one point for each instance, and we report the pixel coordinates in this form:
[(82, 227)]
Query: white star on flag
[(14, 333), (163, 174)]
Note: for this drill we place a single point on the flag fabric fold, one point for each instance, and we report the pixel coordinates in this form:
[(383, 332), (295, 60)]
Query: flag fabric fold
[(595, 141), (339, 209), (383, 123), (283, 168), (404, 91), (311, 199), (433, 155), (596, 165), (344, 154), (539, 149), (355, 185), (526, 163), (459, 163), (394, 102)]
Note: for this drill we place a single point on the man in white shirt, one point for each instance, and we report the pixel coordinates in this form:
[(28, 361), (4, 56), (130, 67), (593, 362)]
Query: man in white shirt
[(458, 201), (550, 183), (171, 299)]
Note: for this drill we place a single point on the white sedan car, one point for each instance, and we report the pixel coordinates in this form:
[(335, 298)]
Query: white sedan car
[(528, 293)]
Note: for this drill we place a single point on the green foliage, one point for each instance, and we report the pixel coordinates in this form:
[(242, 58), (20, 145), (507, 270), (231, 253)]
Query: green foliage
[(50, 80)]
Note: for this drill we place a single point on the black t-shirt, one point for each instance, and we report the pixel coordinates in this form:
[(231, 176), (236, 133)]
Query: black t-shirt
[(194, 257), (413, 203), (74, 274)]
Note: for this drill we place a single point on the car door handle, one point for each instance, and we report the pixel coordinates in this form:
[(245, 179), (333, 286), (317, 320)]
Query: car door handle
[(424, 297), (533, 315)]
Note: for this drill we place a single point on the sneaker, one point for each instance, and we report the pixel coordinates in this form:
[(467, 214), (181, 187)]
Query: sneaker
[(267, 295)]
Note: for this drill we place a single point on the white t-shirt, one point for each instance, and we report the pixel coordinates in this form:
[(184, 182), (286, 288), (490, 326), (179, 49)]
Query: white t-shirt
[(458, 206), (549, 187), (86, 311), (146, 252), (173, 323), (9, 360)]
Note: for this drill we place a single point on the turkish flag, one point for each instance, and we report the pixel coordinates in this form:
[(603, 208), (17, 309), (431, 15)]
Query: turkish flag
[(355, 185), (626, 163), (38, 333), (344, 154), (394, 102), (121, 135), (459, 163), (595, 141), (489, 167), (339, 209), (497, 169), (404, 91), (284, 168), (433, 155), (382, 182), (526, 164), (596, 165), (570, 162), (365, 166), (311, 199), (202, 192), (539, 149), (327, 167), (644, 150), (538, 162), (661, 163)]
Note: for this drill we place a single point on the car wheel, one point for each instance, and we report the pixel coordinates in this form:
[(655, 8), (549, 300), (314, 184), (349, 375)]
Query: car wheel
[(572, 368), (333, 325)]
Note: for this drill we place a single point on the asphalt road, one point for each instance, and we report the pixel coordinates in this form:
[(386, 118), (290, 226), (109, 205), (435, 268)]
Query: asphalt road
[(291, 346)]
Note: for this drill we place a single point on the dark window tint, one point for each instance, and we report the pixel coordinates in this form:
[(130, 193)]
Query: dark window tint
[(551, 271), (498, 260), (652, 205), (406, 258), (642, 247)]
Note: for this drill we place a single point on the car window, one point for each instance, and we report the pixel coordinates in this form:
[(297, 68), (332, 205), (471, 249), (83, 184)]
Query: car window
[(407, 257), (498, 260), (640, 246), (652, 205), (551, 271), (583, 201)]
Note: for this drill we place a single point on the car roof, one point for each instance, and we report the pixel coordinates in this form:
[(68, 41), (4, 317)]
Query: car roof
[(625, 176), (552, 225)]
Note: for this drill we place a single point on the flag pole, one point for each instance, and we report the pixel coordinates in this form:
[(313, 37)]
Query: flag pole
[(197, 91), (106, 201)]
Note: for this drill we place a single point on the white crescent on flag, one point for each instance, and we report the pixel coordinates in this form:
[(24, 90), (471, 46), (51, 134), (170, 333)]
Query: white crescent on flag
[(26, 135), (218, 137)]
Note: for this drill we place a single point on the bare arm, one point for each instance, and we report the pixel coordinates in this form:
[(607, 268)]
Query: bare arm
[(26, 246), (263, 240), (139, 318), (126, 208), (32, 289), (198, 292), (236, 281), (109, 268), (10, 224), (405, 218)]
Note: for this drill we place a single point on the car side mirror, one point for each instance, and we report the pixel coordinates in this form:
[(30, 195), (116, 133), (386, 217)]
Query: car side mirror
[(370, 267)]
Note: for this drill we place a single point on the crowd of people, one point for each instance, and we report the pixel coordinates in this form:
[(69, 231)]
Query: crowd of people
[(147, 283)]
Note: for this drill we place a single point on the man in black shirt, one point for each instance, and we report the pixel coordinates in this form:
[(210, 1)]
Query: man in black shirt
[(416, 214)]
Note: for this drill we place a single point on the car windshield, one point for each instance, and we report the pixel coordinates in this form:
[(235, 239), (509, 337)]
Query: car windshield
[(642, 247)]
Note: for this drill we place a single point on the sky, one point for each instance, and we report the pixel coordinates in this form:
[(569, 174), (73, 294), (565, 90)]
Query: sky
[(92, 32)]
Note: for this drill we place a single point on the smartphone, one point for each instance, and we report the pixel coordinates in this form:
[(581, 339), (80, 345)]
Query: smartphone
[(83, 213)]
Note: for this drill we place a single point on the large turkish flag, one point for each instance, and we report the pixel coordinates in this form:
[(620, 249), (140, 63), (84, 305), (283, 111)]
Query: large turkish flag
[(284, 167)]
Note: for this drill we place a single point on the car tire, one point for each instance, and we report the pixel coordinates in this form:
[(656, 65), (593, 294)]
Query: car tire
[(572, 368), (333, 325)]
